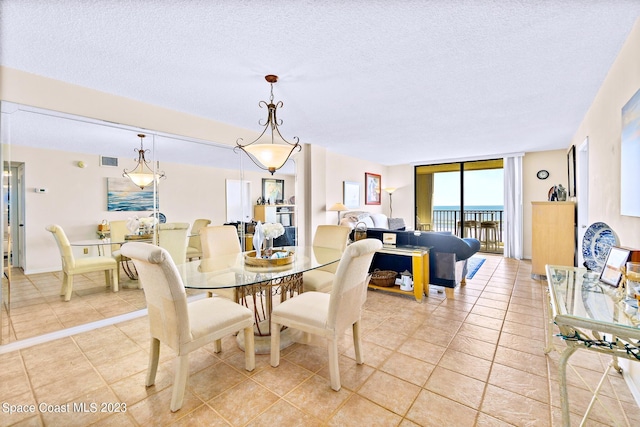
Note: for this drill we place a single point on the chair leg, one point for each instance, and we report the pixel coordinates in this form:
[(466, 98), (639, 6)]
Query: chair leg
[(114, 280), (249, 349), (217, 346), (107, 278), (63, 287), (69, 287), (180, 382), (449, 293), (334, 369), (357, 342), (154, 356), (275, 344)]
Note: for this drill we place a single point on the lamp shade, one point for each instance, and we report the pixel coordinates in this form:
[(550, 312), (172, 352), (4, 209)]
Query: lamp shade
[(338, 207), (390, 189), (271, 156)]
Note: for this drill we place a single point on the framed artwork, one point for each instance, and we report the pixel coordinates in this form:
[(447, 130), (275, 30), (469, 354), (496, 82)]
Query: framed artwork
[(571, 167), (124, 195), (273, 190), (351, 194), (612, 271), (629, 155), (372, 187)]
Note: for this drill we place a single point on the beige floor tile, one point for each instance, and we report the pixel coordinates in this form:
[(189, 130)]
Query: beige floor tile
[(316, 397), (455, 386), (358, 412), (284, 378), (408, 368), (474, 347), (465, 364), (241, 403), (521, 410), (520, 382), (389, 392), (433, 410), (283, 414)]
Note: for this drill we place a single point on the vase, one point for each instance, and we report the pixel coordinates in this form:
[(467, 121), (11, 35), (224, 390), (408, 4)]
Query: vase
[(268, 245)]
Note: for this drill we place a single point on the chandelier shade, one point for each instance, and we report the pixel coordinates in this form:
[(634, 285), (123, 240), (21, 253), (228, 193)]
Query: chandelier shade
[(142, 175), (270, 151)]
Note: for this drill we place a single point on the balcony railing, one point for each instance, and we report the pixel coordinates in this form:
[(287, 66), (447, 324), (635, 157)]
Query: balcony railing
[(449, 220)]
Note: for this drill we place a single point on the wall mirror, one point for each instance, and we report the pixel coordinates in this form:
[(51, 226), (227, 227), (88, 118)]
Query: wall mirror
[(55, 171)]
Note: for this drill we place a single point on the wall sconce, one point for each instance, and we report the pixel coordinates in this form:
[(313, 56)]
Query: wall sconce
[(390, 190), (142, 175), (339, 207), (270, 155)]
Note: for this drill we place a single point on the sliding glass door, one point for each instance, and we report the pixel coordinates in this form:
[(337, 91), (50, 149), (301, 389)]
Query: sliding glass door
[(463, 198)]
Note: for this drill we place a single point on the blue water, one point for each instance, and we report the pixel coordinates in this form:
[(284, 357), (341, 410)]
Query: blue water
[(470, 208), (129, 201)]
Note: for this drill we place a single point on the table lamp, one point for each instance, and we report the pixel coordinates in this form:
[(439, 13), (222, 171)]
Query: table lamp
[(339, 207)]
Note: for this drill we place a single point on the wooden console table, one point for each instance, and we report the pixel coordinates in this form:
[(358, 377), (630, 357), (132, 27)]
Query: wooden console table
[(420, 270)]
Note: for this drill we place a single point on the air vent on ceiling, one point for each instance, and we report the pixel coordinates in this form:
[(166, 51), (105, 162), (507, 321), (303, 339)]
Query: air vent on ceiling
[(109, 161)]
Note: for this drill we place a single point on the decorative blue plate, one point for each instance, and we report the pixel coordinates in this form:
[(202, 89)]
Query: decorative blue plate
[(596, 243), (161, 218)]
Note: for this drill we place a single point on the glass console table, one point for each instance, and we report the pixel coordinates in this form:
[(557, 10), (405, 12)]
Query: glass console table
[(590, 316)]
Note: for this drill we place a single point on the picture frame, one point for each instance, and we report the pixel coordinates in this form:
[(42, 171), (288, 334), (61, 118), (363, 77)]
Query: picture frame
[(124, 195), (351, 194), (273, 190), (611, 273), (571, 170), (372, 188)]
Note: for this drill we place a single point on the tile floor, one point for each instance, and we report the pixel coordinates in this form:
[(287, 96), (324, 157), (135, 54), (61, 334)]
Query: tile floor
[(476, 360)]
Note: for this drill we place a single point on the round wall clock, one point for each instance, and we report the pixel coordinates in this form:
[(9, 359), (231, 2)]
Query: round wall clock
[(542, 174)]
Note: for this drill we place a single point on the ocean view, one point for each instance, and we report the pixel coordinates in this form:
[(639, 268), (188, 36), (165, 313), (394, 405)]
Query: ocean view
[(470, 208)]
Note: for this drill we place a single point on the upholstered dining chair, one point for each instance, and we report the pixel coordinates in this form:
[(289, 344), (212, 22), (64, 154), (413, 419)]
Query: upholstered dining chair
[(194, 248), (328, 315), (220, 240), (326, 236), (184, 326), (172, 236), (72, 266)]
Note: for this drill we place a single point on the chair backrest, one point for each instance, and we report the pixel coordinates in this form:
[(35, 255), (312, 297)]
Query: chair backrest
[(172, 236), (219, 240), (194, 238), (164, 292), (349, 290), (333, 237), (118, 231), (68, 261)]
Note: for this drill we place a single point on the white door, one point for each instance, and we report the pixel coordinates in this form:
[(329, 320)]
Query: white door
[(582, 194)]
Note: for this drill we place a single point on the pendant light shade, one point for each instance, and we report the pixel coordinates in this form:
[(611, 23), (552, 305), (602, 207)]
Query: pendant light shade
[(142, 175)]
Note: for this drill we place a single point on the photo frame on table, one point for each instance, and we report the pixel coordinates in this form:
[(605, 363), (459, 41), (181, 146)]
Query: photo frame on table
[(273, 189), (372, 188), (611, 273), (351, 194), (571, 168)]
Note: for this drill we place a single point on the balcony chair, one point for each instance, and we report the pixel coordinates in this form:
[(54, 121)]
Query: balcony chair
[(220, 240), (183, 326), (328, 315), (194, 248), (326, 236), (172, 236), (72, 266)]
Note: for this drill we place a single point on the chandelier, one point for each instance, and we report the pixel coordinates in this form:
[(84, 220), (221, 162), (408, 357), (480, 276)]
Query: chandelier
[(270, 154), (142, 175)]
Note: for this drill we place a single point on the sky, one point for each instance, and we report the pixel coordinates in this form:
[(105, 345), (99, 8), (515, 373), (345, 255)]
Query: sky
[(482, 188)]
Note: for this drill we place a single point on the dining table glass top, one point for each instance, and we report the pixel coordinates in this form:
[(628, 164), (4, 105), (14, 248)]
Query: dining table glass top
[(232, 271)]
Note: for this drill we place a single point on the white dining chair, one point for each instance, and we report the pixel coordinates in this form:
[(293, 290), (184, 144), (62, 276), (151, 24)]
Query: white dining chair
[(172, 236), (326, 236), (328, 315), (220, 240), (194, 247), (72, 265), (183, 326)]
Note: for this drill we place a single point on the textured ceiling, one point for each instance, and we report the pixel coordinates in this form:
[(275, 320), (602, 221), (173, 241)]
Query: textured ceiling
[(393, 82)]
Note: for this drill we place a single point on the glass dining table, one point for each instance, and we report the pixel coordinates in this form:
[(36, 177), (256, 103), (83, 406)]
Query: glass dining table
[(257, 286)]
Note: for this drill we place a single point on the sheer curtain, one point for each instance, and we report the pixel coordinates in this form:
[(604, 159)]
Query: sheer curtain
[(513, 233)]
